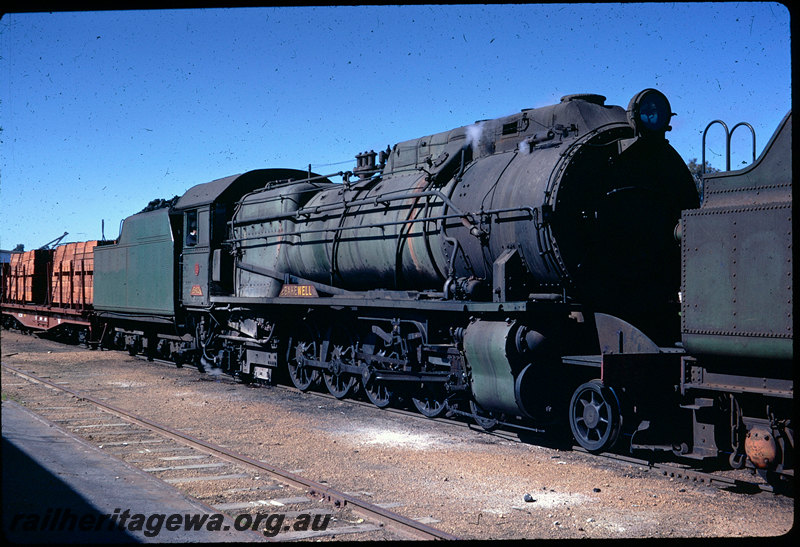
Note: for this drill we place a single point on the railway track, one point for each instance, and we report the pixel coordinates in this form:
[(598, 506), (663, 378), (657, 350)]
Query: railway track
[(672, 471), (733, 480), (739, 481), (191, 464)]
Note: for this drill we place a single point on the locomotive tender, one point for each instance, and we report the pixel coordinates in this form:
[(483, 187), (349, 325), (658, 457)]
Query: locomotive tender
[(523, 270)]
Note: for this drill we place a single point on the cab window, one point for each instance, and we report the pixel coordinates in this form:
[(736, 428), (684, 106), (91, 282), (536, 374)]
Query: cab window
[(191, 228)]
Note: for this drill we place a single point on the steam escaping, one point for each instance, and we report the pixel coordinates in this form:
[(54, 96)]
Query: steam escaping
[(209, 366), (474, 134)]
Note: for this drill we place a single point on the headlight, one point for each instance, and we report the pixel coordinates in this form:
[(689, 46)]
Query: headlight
[(649, 113)]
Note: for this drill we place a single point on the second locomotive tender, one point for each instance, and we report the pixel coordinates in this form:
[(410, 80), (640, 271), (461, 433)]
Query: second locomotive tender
[(483, 270)]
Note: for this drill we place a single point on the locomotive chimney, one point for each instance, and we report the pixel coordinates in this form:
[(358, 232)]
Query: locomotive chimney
[(365, 164)]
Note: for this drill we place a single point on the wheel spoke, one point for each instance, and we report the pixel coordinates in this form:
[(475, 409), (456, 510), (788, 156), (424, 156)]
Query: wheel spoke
[(339, 352), (430, 402), (483, 418), (378, 393), (304, 348), (339, 385), (594, 417)]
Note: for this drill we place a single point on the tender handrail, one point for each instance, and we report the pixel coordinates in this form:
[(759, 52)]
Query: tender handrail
[(728, 136)]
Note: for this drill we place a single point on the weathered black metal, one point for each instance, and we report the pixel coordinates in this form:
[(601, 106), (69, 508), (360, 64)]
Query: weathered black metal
[(413, 227), (523, 270), (736, 375)]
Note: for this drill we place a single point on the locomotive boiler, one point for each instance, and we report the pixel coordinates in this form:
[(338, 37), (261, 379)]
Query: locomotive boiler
[(578, 198), (468, 263), (549, 270)]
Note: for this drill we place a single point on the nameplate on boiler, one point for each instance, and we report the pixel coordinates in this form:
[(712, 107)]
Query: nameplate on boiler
[(302, 291)]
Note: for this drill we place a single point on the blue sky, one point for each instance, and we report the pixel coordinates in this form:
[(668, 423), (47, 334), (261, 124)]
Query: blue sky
[(102, 112)]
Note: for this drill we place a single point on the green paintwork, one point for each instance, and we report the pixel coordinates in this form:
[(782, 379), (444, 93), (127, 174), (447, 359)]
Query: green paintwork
[(737, 260), (259, 226), (486, 346), (737, 287), (137, 274), (195, 262)]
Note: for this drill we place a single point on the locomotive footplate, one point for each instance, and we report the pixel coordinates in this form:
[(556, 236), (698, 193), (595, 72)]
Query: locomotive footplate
[(358, 301), (644, 385), (640, 370)]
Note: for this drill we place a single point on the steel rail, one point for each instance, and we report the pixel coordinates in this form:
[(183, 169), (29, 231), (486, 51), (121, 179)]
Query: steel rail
[(507, 433), (676, 471), (672, 471), (394, 521)]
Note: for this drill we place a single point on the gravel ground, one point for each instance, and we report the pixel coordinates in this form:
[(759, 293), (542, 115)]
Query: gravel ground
[(463, 481)]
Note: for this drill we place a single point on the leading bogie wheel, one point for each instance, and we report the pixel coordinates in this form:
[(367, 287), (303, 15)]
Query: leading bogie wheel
[(594, 416)]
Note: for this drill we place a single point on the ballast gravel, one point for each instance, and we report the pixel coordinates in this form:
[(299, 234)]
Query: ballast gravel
[(456, 478)]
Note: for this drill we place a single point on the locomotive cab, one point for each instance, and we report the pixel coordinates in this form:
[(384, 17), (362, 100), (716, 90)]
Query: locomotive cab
[(205, 210), (206, 263), (522, 271)]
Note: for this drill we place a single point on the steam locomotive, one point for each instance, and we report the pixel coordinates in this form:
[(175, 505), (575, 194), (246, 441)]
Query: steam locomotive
[(551, 270)]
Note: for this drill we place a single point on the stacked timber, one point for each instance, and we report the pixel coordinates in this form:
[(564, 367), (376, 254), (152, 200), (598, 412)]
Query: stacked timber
[(71, 282), (27, 281)]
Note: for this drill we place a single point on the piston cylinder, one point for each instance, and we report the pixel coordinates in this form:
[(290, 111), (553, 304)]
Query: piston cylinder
[(499, 355)]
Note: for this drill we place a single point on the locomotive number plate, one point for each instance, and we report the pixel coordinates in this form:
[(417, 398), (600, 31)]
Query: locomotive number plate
[(302, 291)]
